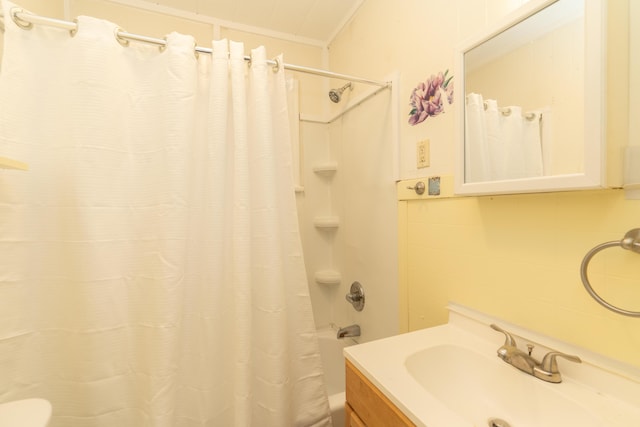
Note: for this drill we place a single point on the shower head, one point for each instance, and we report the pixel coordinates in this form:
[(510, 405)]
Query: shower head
[(336, 94)]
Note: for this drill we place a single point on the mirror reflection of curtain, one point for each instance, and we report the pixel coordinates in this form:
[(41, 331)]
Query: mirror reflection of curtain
[(501, 143), (497, 146), (476, 152), (532, 144)]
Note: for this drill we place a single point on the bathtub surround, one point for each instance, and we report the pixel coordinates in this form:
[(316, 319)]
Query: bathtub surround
[(152, 267), (359, 197)]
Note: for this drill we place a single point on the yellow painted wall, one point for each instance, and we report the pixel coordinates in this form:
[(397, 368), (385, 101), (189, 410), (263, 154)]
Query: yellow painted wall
[(514, 256), (518, 257)]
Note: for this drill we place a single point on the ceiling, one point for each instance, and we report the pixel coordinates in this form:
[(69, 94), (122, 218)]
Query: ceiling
[(311, 21)]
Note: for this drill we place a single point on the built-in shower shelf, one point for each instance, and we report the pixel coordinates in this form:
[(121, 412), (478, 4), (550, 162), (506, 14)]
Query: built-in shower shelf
[(7, 163), (326, 222), (326, 169), (328, 277)]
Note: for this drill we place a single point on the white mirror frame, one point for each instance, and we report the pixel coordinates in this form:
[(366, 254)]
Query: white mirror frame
[(594, 113)]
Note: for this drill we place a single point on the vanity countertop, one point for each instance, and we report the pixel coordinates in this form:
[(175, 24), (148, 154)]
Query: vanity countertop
[(604, 392)]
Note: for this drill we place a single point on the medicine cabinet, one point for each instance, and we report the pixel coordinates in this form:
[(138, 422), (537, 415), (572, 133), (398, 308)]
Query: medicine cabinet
[(530, 104)]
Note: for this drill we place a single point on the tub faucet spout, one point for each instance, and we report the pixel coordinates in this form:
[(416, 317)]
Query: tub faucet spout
[(349, 331)]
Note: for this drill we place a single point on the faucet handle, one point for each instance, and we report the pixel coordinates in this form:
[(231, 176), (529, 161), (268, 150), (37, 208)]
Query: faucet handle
[(550, 364), (548, 369), (509, 340)]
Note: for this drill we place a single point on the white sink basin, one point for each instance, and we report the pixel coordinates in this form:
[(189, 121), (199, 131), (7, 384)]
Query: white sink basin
[(25, 413), (450, 376), (478, 389)]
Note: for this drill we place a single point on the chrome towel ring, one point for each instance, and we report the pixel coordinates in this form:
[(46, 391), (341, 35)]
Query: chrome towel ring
[(631, 241)]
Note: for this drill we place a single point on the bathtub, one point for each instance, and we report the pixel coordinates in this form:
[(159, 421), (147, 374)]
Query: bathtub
[(333, 365)]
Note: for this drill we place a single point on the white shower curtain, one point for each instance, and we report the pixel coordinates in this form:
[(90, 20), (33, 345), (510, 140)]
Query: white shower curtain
[(151, 271)]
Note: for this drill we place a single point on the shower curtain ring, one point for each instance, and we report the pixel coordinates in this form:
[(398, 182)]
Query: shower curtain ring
[(162, 47), (116, 32), (276, 67), (74, 31), (25, 25)]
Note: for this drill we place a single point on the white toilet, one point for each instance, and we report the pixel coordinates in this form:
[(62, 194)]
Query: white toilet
[(25, 413)]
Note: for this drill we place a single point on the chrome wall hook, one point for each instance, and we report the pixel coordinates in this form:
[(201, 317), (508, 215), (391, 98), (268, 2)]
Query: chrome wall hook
[(419, 188)]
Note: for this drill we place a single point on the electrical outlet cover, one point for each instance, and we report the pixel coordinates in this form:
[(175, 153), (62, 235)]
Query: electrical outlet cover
[(422, 154)]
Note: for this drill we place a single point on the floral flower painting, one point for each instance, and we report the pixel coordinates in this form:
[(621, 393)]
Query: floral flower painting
[(426, 98)]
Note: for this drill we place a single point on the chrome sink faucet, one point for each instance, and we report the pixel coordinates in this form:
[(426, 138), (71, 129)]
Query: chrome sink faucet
[(547, 370)]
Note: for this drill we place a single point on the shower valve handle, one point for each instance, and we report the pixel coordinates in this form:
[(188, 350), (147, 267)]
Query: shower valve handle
[(353, 298), (356, 296)]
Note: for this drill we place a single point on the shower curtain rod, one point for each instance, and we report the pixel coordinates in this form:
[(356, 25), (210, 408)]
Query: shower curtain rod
[(25, 20)]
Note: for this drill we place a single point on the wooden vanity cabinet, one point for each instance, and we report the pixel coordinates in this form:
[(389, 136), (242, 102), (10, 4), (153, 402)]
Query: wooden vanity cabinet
[(366, 406)]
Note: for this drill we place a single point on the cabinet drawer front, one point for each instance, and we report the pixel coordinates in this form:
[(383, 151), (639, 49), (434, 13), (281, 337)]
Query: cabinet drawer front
[(371, 406), (352, 419)]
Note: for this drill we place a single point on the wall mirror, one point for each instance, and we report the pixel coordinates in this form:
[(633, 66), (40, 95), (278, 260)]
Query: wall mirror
[(530, 112)]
